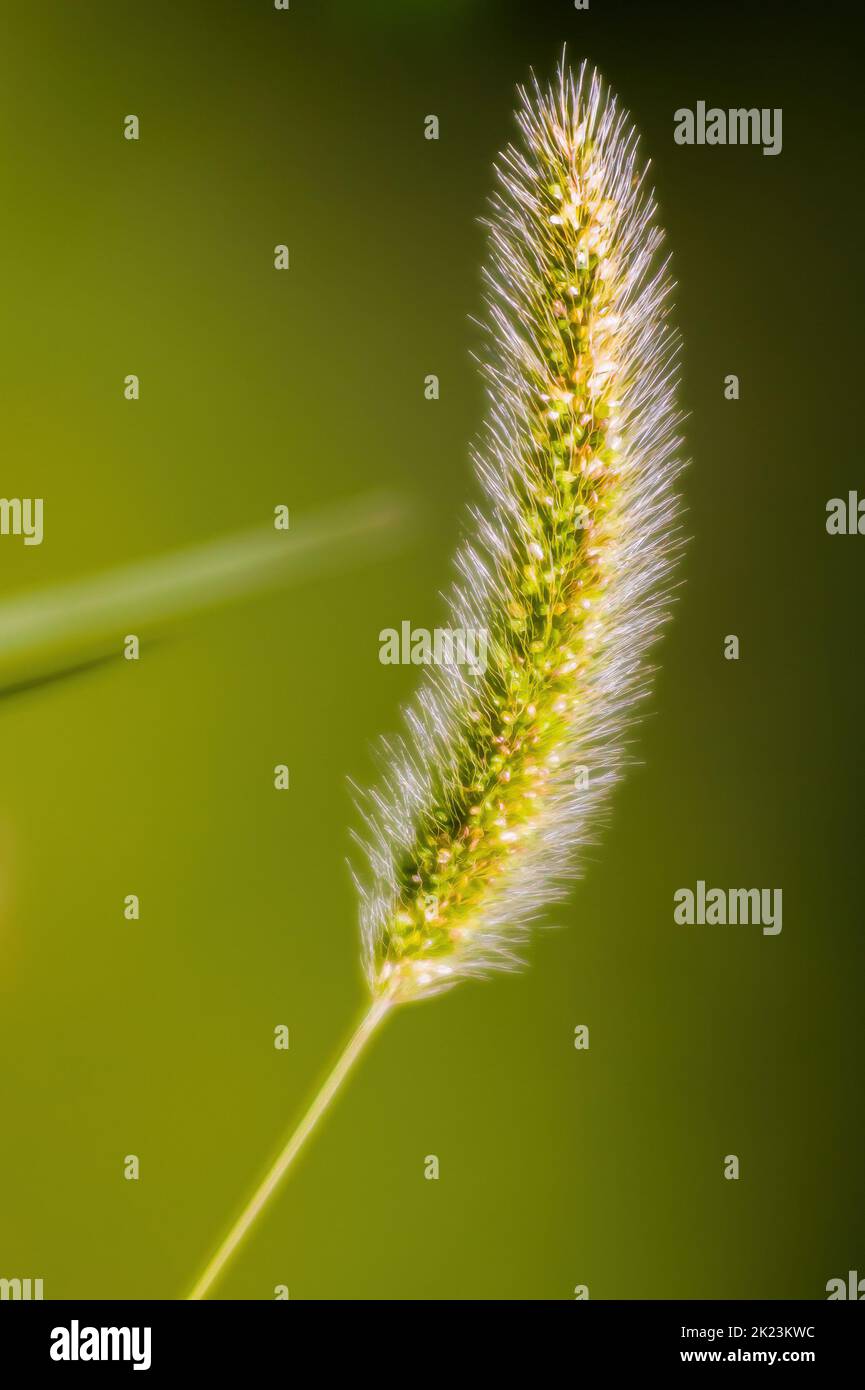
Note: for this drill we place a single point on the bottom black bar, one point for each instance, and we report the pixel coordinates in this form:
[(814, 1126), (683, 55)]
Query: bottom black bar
[(64, 1338)]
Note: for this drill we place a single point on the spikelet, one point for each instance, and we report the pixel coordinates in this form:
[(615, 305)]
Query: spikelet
[(482, 814)]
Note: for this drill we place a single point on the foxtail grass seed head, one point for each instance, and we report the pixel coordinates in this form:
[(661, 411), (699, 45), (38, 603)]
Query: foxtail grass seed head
[(480, 820), (484, 805)]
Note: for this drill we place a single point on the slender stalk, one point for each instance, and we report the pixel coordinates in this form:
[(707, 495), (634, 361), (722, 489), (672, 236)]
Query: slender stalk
[(371, 1020), (52, 629)]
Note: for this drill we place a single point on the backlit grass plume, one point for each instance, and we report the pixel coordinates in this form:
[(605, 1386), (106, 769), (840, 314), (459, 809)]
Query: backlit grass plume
[(500, 778), (482, 811)]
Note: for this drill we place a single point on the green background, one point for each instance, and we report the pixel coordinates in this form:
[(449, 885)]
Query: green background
[(558, 1167)]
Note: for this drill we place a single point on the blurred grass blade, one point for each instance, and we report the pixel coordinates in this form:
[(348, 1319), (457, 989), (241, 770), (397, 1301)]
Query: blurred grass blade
[(52, 630)]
